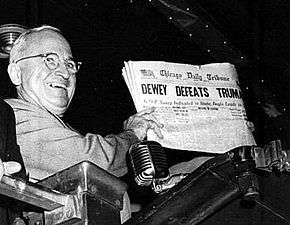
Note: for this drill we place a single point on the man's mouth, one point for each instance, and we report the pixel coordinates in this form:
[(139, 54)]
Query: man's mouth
[(57, 85)]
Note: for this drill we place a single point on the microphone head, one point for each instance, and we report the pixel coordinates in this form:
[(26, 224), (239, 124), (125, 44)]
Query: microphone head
[(149, 162)]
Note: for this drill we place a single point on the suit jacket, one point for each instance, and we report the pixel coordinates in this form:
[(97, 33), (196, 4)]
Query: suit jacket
[(48, 145)]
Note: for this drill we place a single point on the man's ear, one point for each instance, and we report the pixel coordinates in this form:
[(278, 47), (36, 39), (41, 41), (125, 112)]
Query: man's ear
[(14, 73)]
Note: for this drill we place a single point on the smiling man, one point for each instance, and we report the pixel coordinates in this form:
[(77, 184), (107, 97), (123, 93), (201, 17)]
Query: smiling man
[(42, 68), (44, 72)]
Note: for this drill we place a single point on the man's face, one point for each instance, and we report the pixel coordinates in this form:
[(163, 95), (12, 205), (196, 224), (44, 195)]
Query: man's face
[(51, 89)]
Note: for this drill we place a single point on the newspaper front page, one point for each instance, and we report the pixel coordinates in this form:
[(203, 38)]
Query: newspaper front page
[(201, 106)]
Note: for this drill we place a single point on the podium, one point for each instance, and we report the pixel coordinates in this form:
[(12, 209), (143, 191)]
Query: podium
[(82, 194), (85, 194), (215, 192)]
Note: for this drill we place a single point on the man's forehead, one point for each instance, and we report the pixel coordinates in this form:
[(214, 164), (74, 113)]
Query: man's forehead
[(46, 41)]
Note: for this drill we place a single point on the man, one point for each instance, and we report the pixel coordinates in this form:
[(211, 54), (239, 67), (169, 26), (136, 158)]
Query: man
[(44, 72), (10, 154)]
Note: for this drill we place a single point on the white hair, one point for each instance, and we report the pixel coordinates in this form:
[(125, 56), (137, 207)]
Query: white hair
[(21, 43)]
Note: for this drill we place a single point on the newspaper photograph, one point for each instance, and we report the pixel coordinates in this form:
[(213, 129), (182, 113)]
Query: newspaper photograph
[(200, 106)]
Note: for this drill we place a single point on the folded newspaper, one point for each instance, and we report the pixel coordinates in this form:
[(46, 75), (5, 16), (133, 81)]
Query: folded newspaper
[(201, 106)]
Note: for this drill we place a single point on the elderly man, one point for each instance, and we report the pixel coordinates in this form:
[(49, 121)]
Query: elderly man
[(44, 72)]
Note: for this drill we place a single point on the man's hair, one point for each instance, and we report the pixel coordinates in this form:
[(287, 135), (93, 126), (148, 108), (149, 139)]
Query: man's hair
[(21, 43)]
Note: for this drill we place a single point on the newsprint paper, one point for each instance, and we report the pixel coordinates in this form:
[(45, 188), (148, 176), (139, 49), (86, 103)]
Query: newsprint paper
[(201, 106)]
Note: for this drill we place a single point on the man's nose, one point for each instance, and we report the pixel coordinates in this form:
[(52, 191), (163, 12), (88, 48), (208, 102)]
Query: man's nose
[(63, 71)]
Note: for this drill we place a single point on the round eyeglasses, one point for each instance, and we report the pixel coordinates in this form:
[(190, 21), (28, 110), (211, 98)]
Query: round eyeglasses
[(52, 62)]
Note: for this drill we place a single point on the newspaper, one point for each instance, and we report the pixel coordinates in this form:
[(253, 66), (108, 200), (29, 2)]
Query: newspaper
[(200, 106)]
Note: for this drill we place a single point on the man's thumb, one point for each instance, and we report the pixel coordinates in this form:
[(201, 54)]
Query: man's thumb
[(11, 167)]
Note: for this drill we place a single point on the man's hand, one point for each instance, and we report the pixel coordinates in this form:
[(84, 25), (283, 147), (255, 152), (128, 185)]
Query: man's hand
[(141, 122), (9, 168)]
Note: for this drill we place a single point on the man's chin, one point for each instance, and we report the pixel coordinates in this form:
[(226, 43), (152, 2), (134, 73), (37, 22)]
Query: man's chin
[(57, 108)]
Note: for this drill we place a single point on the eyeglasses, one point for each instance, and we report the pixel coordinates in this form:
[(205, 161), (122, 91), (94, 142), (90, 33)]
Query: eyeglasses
[(52, 61)]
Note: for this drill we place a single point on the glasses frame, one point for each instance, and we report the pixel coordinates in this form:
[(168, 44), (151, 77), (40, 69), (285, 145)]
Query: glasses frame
[(44, 55)]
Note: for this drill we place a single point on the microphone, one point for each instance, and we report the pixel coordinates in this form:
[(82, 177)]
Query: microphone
[(149, 162)]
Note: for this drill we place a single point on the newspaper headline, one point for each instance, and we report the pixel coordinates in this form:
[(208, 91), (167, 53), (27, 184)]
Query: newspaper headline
[(201, 106)]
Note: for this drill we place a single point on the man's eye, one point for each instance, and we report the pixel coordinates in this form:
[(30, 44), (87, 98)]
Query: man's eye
[(71, 65), (50, 59)]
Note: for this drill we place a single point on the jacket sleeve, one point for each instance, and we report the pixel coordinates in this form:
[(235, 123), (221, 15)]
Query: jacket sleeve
[(48, 146)]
